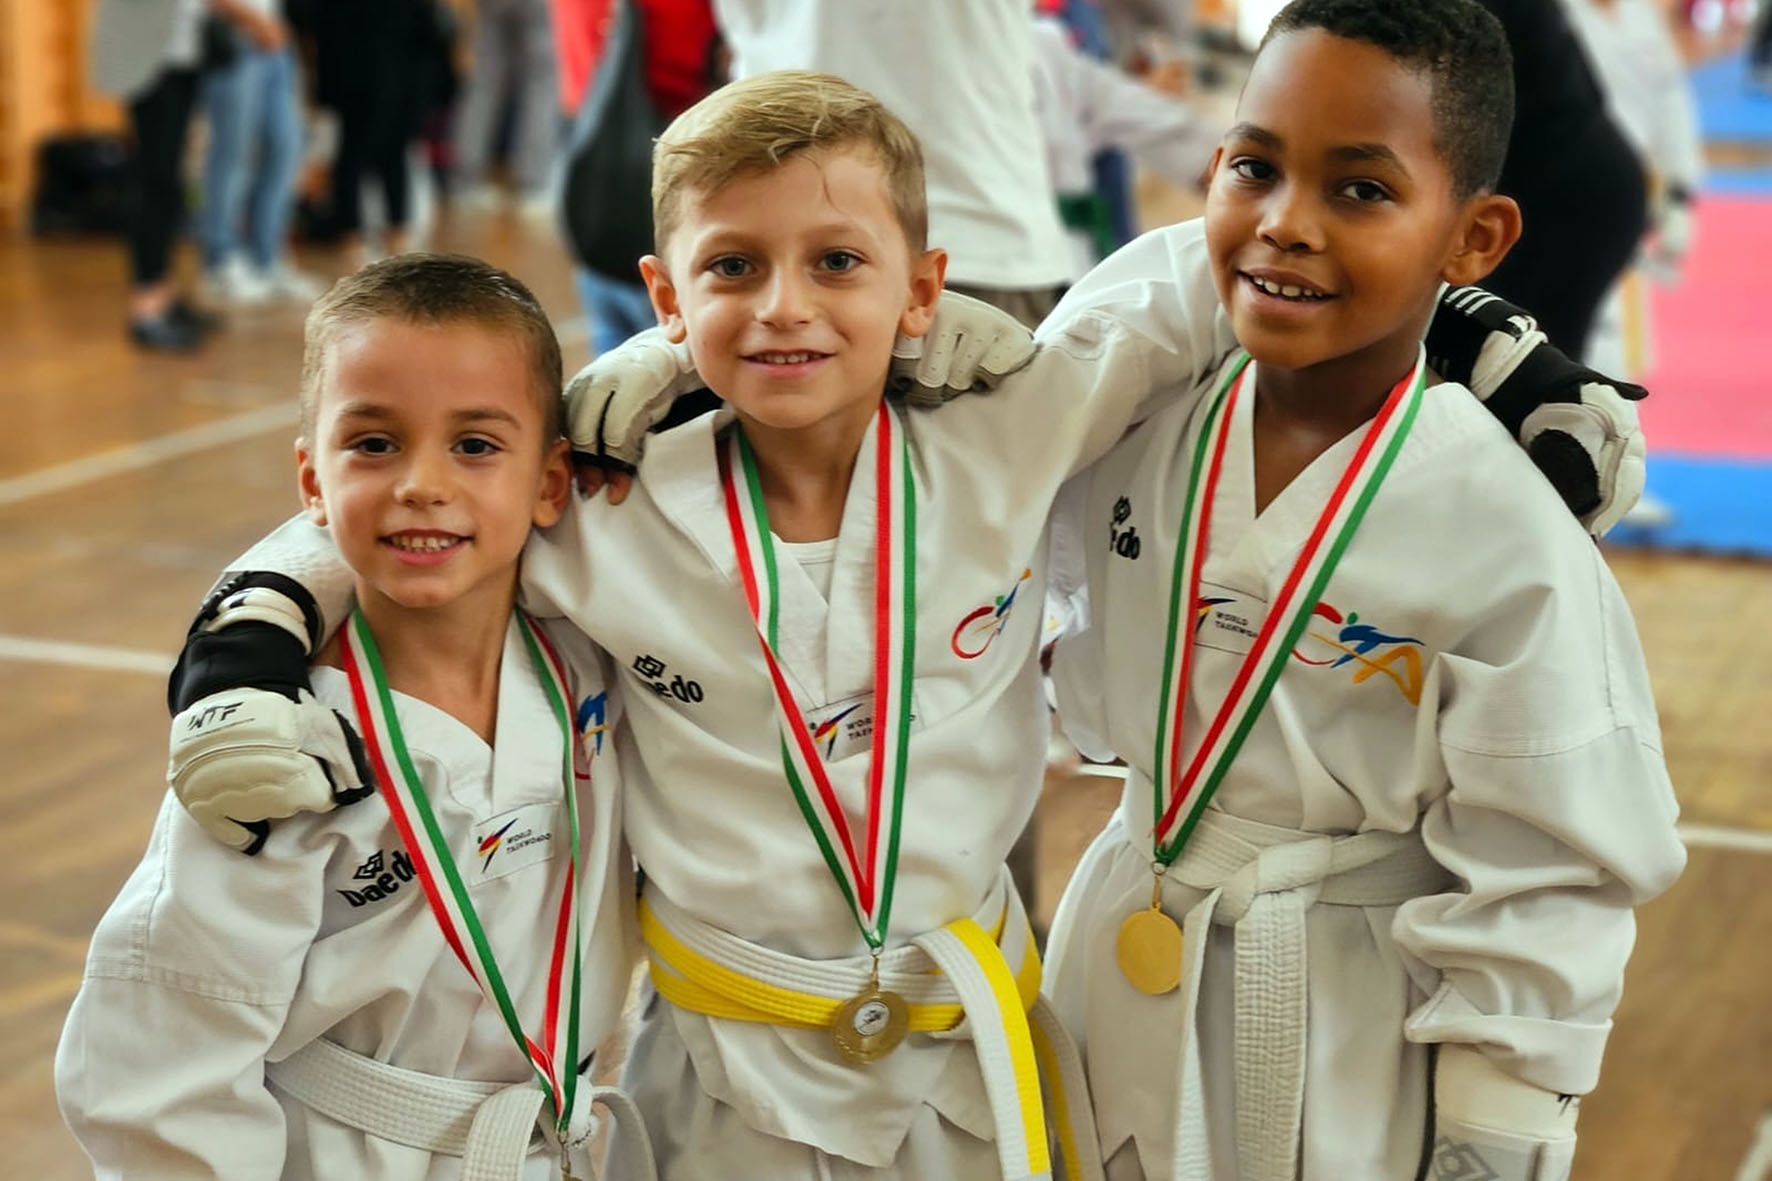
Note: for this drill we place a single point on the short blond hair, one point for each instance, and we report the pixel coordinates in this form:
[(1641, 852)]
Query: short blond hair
[(760, 123), (423, 288)]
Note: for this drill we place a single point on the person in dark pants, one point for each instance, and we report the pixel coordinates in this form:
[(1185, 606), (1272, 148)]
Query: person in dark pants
[(148, 54), (377, 66), (1581, 189)]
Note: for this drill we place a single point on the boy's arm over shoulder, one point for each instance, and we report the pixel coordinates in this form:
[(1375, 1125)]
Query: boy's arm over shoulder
[(1559, 817), (160, 1070)]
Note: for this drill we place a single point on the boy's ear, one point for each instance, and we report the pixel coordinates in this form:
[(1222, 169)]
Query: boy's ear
[(555, 487), (1491, 227), (928, 272), (664, 298), (307, 480)]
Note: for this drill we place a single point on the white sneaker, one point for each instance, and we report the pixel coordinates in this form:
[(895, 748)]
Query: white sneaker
[(235, 282), (287, 282)]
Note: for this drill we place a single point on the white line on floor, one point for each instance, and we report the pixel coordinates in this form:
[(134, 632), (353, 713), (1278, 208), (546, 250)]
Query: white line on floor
[(146, 453), (1716, 836), (1757, 1164), (127, 660)]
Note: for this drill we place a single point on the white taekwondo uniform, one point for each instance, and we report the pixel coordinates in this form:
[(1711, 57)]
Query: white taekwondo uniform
[(1472, 703), (724, 850), (211, 968)]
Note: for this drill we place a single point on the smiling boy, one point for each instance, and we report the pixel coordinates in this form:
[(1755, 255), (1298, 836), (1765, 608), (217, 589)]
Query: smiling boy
[(1394, 780), (353, 1001)]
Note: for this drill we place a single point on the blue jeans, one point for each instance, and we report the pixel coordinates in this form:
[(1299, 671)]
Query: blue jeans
[(615, 308), (255, 146)]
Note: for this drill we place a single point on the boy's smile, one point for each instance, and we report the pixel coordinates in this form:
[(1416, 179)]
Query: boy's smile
[(1331, 214), (791, 285), (428, 462)]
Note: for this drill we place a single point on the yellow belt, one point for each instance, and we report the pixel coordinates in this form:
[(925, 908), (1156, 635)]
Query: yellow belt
[(703, 984)]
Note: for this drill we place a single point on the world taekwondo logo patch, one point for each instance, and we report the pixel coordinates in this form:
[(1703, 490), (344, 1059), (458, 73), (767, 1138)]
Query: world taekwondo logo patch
[(515, 840)]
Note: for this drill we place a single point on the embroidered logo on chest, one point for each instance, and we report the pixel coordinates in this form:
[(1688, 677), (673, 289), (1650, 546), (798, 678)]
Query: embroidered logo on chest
[(982, 625), (1227, 620), (846, 727), (651, 671), (1123, 536), (377, 879), (591, 722)]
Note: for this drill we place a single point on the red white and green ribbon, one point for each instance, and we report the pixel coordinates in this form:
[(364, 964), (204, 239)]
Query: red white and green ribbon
[(864, 864), (552, 1049), (1176, 789)]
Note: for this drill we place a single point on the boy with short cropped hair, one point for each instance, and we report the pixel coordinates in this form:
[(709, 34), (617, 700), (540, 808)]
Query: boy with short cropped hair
[(1395, 780), (384, 979)]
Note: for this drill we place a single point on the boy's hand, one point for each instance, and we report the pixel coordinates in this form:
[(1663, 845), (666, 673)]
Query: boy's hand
[(593, 478), (244, 757), (612, 402), (1579, 426), (969, 348)]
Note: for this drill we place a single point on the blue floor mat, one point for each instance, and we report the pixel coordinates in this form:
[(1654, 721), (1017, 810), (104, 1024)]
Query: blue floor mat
[(1721, 506), (1729, 108)]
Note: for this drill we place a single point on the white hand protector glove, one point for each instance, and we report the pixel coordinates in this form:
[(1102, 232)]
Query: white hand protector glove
[(1489, 1124), (612, 402), (244, 757), (249, 742), (1578, 425), (969, 348)]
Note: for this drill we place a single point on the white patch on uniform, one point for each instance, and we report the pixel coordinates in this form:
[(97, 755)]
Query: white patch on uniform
[(514, 840), (1229, 618)]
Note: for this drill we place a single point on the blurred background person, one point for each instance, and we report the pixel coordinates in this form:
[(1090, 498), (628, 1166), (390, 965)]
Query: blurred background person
[(513, 71), (148, 53), (1582, 190), (253, 105)]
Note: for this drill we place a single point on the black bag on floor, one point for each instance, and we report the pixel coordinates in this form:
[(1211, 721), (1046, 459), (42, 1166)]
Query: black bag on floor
[(82, 185), (606, 197)]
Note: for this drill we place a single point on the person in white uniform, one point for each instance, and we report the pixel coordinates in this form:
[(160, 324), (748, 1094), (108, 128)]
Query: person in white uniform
[(789, 218), (1394, 775), (350, 1004)]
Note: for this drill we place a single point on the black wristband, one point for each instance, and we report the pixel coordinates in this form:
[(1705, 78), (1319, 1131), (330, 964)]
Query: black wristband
[(260, 655)]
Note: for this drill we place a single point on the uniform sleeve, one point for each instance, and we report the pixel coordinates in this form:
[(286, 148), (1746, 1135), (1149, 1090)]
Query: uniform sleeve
[(1559, 820), (1138, 332), (160, 1070)]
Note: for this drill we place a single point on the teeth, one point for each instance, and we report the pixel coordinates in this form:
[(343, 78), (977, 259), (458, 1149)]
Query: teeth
[(1287, 291), (422, 544), (787, 358)]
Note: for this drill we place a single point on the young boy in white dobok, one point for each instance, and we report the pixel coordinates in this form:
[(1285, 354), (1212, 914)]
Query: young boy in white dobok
[(402, 989), (1394, 774)]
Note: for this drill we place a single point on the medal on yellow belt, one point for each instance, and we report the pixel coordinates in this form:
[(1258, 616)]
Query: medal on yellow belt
[(1148, 947), (873, 1022)]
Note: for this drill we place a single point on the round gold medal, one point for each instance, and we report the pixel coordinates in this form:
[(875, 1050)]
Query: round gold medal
[(1149, 951), (870, 1025)]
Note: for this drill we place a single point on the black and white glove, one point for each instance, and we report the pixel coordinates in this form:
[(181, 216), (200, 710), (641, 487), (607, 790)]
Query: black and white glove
[(1489, 1124), (250, 744), (969, 349), (1580, 427)]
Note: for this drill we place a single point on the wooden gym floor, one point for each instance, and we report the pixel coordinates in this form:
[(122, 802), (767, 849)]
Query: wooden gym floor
[(127, 481)]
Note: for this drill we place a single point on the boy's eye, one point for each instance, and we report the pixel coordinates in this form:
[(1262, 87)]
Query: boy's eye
[(730, 266), (1250, 168), (1366, 192), (373, 445), (475, 446), (840, 260)]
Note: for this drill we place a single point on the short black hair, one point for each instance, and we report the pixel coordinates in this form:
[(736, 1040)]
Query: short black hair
[(1462, 49)]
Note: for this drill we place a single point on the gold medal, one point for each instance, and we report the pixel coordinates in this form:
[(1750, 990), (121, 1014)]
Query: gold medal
[(1149, 945), (870, 1024)]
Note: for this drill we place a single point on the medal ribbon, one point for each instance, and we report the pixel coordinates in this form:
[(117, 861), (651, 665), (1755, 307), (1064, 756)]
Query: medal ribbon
[(553, 1051), (1172, 787), (865, 871)]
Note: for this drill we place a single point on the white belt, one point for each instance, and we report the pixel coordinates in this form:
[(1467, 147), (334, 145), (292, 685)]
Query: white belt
[(493, 1127), (962, 979), (1261, 879)]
